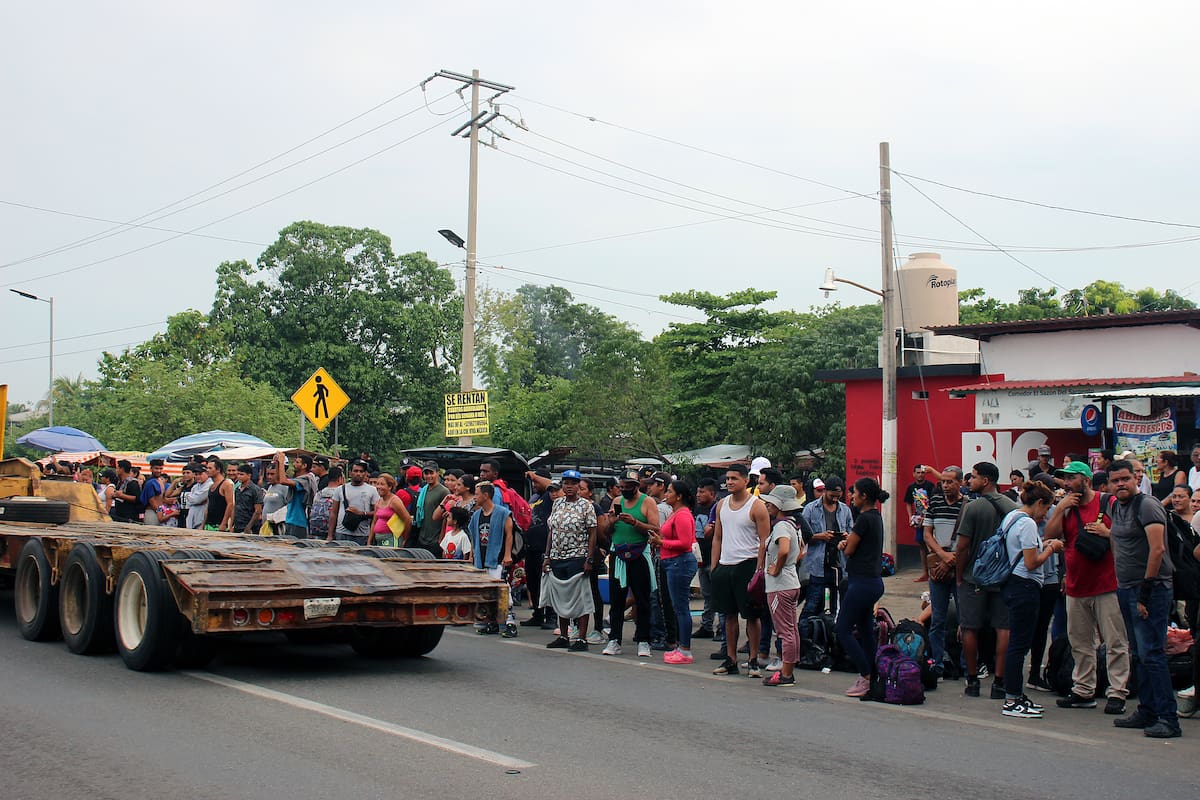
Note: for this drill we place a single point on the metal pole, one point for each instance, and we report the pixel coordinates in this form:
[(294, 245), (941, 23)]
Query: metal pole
[(51, 362), (302, 430), (468, 330), (889, 352)]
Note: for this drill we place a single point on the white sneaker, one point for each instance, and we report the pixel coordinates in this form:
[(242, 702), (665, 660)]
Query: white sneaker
[(643, 649), (595, 637), (774, 665), (613, 648)]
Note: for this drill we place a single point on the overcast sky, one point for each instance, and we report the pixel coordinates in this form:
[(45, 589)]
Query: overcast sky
[(113, 110)]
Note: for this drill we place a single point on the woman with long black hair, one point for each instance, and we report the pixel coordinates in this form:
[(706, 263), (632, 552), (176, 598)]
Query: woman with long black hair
[(863, 549)]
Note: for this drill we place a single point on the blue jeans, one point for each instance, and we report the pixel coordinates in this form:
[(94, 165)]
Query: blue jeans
[(856, 622), (679, 571), (1148, 639), (939, 608), (814, 599), (1024, 600)]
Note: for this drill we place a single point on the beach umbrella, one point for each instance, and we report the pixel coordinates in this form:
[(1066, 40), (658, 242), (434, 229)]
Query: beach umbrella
[(185, 447), (60, 438)]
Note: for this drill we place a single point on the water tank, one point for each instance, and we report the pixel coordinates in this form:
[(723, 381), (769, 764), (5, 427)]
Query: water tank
[(927, 292)]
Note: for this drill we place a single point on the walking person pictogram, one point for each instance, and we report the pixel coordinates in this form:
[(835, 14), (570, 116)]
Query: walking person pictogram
[(321, 394)]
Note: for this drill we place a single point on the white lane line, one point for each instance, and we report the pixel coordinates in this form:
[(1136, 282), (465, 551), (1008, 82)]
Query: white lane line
[(412, 734), (943, 716)]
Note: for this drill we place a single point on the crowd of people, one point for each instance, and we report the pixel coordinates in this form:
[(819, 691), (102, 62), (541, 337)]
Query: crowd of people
[(1104, 557)]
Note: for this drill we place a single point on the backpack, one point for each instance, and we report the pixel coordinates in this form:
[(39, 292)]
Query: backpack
[(910, 637), (1060, 666), (885, 625), (897, 678), (816, 642), (522, 514), (318, 514), (992, 567)]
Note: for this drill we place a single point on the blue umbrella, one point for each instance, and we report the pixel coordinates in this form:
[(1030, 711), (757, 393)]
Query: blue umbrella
[(185, 447), (60, 438)]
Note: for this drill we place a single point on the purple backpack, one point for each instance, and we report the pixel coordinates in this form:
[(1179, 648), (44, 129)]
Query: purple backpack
[(898, 676)]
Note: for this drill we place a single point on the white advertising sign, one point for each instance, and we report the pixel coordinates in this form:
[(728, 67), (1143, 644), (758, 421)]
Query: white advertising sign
[(1022, 409)]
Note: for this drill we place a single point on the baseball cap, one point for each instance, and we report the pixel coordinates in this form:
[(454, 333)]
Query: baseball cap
[(412, 472), (571, 475), (430, 466), (662, 477), (759, 464), (632, 475), (1044, 450), (1075, 468), (646, 472), (818, 484), (321, 460)]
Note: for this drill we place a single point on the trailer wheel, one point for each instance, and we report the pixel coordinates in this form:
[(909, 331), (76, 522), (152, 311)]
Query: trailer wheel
[(420, 641), (192, 555), (378, 643), (316, 543), (36, 600), (145, 616), (416, 554), (35, 509), (380, 552), (84, 607)]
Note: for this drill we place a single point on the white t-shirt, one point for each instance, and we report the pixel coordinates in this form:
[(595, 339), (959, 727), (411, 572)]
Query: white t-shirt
[(1194, 478), (456, 545), (788, 577), (1022, 535)]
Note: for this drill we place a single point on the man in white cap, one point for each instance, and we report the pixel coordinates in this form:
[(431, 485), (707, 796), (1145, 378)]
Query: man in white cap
[(756, 467)]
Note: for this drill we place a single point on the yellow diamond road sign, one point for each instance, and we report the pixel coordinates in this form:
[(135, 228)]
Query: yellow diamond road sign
[(321, 399), (467, 414)]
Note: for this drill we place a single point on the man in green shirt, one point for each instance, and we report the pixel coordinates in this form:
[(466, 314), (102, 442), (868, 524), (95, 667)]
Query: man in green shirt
[(429, 509)]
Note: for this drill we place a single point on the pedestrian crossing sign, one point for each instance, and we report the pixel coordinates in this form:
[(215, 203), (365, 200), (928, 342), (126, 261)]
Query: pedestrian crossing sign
[(321, 399)]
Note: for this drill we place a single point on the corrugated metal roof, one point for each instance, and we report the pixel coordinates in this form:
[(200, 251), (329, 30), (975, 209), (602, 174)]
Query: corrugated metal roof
[(986, 330), (1073, 383)]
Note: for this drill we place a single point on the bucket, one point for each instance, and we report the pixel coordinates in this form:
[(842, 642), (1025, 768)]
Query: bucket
[(602, 582)]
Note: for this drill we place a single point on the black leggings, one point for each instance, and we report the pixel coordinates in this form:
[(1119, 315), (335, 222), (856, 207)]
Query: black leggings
[(597, 600), (637, 578)]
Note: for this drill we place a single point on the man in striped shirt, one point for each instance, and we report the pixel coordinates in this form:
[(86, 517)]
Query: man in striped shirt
[(941, 534)]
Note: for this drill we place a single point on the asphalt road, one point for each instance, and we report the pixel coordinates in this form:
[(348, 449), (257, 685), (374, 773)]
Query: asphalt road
[(492, 718)]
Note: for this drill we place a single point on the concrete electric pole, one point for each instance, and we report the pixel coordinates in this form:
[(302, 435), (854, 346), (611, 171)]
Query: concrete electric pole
[(889, 351)]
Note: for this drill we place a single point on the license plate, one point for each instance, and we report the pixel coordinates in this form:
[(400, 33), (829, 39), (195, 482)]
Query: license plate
[(316, 607)]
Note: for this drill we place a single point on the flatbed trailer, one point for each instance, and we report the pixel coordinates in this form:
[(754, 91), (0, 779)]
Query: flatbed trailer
[(163, 597)]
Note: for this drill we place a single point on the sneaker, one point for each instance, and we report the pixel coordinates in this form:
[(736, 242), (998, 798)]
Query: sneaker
[(1161, 730), (1135, 720), (684, 658), (774, 665), (578, 646), (510, 631), (728, 667), (1019, 708), (532, 622), (998, 692), (972, 689), (490, 629), (1114, 707), (983, 671), (1038, 684), (561, 643), (753, 670), (860, 688), (660, 645), (595, 637), (702, 633), (1075, 701), (1031, 704), (549, 625), (676, 657), (779, 679), (613, 648), (718, 656), (643, 649)]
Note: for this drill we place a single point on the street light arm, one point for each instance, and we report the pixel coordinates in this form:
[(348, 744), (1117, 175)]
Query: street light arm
[(875, 292)]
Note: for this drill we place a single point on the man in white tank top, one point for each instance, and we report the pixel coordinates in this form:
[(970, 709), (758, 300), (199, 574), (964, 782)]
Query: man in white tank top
[(741, 527)]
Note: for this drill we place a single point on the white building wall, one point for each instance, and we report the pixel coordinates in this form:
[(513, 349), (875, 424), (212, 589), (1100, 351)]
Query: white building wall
[(1141, 352)]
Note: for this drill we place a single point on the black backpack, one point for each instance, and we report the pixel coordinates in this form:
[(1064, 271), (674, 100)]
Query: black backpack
[(816, 642), (1060, 665)]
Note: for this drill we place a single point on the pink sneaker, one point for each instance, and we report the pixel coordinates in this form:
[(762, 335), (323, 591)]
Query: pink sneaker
[(860, 688), (677, 657)]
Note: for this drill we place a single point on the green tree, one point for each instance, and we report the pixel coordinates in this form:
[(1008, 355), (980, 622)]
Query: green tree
[(386, 327)]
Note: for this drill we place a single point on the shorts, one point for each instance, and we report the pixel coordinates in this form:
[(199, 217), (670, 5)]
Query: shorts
[(729, 589), (979, 608)]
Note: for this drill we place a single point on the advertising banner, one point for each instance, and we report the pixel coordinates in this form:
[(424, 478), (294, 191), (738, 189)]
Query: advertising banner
[(1145, 436)]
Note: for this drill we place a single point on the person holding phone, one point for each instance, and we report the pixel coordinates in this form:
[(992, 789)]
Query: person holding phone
[(830, 518)]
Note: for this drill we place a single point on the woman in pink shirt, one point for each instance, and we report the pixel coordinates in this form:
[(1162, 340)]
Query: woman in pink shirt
[(676, 537)]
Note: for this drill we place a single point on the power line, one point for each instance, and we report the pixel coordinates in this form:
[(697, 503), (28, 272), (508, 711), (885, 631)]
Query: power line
[(947, 212), (1045, 205), (29, 279), (72, 353), (84, 335), (735, 159), (115, 232)]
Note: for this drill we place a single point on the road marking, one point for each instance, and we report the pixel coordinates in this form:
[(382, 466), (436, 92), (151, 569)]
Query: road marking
[(941, 716), (412, 734)]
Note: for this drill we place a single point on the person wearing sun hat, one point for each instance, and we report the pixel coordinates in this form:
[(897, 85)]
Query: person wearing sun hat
[(782, 580)]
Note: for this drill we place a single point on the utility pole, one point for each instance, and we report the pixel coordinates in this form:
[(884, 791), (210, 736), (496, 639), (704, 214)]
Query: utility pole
[(889, 351), (472, 126)]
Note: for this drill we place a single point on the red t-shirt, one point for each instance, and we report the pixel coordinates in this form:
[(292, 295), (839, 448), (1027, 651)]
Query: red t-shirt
[(678, 534), (1086, 578)]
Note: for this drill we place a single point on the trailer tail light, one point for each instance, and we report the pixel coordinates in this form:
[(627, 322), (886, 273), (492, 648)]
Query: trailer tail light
[(285, 617), (442, 612), (266, 616), (422, 611), (240, 616), (463, 611)]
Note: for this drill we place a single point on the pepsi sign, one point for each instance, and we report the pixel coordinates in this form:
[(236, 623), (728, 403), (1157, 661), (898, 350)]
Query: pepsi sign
[(1090, 419)]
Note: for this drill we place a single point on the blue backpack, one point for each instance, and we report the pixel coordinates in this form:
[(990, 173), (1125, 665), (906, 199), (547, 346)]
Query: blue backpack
[(992, 567)]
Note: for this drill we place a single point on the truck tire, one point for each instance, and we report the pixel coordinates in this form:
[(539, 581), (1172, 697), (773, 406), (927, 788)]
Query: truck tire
[(192, 555), (35, 509), (145, 616), (84, 607), (378, 643), (421, 641), (380, 552), (35, 599), (416, 554)]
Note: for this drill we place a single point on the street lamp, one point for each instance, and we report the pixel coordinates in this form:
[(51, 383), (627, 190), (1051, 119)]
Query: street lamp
[(888, 471), (467, 368), (29, 296)]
